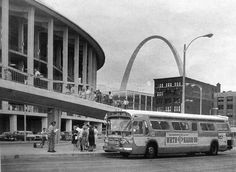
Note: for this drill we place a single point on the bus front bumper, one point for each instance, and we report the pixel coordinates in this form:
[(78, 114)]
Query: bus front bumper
[(125, 149)]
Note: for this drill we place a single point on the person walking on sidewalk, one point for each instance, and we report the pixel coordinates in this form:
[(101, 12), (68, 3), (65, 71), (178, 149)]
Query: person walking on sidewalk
[(44, 137), (51, 136)]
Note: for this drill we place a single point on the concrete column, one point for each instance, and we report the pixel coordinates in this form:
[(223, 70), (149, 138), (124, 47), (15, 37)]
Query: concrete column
[(50, 54), (30, 44), (65, 58), (13, 123), (36, 45), (133, 101), (21, 37), (95, 71), (85, 56), (90, 67), (140, 101), (55, 115), (44, 122), (76, 64), (145, 103), (5, 33), (151, 103), (4, 105), (69, 125)]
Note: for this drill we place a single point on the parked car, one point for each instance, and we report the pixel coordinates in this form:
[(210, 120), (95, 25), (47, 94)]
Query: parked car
[(7, 136), (19, 135)]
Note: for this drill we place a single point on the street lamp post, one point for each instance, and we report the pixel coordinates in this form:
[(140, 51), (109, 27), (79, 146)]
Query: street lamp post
[(200, 88), (184, 61)]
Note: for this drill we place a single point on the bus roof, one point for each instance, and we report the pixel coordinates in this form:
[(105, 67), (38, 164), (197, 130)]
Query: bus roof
[(177, 115)]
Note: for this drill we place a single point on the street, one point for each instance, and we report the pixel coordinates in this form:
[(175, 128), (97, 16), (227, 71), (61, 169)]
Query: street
[(223, 162)]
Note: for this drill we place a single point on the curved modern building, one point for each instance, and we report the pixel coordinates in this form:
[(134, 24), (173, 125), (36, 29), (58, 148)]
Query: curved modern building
[(43, 52)]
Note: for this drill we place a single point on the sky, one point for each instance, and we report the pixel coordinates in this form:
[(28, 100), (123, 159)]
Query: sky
[(120, 25)]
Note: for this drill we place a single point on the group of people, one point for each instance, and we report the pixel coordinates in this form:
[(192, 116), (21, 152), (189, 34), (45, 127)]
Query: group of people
[(84, 139)]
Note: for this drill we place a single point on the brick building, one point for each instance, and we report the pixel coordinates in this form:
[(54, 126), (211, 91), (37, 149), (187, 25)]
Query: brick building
[(168, 95)]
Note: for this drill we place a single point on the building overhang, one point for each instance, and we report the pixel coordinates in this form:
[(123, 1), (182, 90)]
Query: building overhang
[(40, 97)]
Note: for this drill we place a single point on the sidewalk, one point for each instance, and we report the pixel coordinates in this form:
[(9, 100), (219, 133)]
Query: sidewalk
[(15, 150)]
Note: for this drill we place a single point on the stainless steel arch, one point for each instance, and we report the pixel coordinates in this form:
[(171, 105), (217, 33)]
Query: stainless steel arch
[(132, 58)]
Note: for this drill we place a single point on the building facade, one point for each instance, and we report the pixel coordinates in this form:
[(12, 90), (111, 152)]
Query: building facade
[(41, 48), (168, 95), (225, 104), (135, 100)]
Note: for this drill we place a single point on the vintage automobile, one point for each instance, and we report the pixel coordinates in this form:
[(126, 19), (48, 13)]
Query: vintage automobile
[(7, 136), (19, 135)]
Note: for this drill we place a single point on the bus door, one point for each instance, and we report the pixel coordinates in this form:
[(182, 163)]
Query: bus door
[(140, 132)]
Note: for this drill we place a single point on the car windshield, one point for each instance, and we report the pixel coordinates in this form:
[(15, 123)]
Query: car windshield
[(119, 126)]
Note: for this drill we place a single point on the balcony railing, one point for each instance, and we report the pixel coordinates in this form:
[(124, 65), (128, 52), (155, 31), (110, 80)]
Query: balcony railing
[(18, 76)]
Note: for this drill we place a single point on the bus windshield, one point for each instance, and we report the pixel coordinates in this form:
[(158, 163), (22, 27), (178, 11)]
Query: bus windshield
[(119, 126)]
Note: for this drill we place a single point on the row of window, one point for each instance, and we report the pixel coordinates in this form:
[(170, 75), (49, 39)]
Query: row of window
[(229, 106), (169, 108), (222, 99), (169, 84), (164, 125), (140, 127)]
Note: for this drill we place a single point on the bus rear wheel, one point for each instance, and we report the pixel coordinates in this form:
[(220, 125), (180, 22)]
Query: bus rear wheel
[(151, 151), (213, 149)]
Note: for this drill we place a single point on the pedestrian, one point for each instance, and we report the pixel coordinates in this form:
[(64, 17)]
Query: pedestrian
[(79, 145), (91, 138), (51, 136), (95, 136), (74, 138), (126, 102), (88, 94), (110, 98), (84, 140), (44, 137)]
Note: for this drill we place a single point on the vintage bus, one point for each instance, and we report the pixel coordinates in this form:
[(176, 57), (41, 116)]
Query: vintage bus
[(153, 133)]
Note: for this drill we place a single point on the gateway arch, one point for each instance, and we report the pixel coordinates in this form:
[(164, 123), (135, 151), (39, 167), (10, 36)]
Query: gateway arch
[(132, 58)]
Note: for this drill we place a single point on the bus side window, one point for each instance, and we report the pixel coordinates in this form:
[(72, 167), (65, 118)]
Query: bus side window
[(211, 127), (203, 126), (194, 126), (176, 125), (164, 125)]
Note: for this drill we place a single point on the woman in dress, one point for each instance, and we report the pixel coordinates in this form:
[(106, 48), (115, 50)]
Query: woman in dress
[(91, 138)]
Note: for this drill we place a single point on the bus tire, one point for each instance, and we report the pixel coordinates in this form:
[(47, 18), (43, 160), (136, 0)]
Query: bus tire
[(151, 151), (213, 149)]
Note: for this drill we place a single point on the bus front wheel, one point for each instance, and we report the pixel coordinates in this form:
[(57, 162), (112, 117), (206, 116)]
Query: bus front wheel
[(213, 149), (151, 151)]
